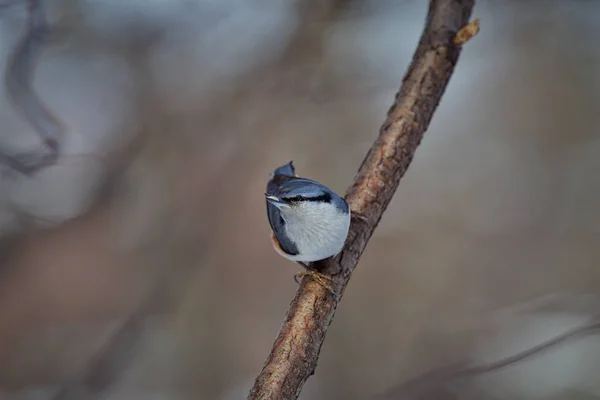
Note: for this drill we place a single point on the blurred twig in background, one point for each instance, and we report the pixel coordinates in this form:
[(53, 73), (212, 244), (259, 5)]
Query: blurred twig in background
[(432, 385), (114, 358), (295, 352), (18, 80)]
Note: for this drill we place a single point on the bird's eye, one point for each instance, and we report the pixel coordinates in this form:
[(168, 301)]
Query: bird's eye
[(294, 199), (325, 198)]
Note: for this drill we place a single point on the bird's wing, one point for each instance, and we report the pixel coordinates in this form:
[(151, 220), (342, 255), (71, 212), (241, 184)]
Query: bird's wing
[(277, 225), (275, 183), (282, 185)]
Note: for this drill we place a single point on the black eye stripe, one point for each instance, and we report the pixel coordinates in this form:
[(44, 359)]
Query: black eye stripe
[(294, 199), (326, 198)]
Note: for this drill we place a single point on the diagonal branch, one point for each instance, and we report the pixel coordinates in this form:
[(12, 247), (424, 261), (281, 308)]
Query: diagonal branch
[(294, 355)]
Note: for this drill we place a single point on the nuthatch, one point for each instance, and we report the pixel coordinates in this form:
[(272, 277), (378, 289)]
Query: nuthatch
[(309, 221)]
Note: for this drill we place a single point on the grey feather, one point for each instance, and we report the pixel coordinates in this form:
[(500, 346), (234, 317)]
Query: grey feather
[(280, 176)]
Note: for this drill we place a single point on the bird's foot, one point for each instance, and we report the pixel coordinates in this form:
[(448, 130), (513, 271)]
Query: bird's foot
[(360, 217), (320, 278)]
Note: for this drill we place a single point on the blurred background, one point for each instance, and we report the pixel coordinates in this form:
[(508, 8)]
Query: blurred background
[(139, 266)]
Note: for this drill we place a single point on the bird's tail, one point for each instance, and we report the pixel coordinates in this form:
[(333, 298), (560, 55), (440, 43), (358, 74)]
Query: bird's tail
[(286, 170)]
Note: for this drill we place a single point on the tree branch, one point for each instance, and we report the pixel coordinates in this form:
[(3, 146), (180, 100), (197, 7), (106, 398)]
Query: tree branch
[(294, 355)]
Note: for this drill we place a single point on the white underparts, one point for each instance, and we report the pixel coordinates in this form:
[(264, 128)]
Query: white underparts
[(318, 230)]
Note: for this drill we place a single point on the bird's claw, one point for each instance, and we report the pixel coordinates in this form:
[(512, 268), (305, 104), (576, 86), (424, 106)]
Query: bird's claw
[(318, 277)]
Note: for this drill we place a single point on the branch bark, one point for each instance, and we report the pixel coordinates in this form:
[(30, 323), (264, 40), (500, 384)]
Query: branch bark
[(295, 352)]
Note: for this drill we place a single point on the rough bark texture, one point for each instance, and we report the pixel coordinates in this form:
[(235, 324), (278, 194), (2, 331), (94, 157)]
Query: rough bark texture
[(296, 350)]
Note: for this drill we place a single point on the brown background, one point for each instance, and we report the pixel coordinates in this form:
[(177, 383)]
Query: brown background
[(499, 207)]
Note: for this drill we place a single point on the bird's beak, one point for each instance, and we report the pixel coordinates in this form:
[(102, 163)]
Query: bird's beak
[(276, 201)]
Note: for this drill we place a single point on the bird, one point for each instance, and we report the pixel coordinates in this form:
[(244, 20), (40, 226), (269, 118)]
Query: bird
[(309, 221)]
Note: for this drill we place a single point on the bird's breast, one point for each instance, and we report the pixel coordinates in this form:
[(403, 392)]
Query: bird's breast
[(318, 234)]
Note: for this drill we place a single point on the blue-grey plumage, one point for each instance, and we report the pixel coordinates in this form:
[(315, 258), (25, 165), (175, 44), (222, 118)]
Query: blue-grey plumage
[(309, 221)]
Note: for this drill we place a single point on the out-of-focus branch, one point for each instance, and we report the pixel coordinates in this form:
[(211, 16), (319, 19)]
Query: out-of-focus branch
[(294, 355), (110, 362), (431, 384), (18, 79)]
